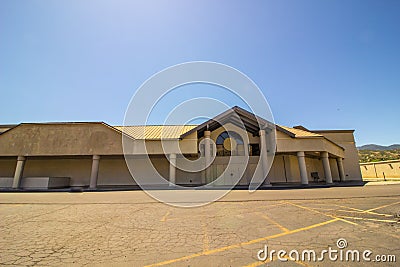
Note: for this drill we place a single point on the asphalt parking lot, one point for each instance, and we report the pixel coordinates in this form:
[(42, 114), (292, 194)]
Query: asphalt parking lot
[(131, 229)]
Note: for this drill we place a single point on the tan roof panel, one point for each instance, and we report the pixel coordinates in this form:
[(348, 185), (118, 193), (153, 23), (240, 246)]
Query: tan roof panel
[(300, 133), (4, 128), (155, 132)]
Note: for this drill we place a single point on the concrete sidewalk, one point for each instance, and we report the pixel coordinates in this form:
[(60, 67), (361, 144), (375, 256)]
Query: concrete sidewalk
[(381, 182), (137, 197)]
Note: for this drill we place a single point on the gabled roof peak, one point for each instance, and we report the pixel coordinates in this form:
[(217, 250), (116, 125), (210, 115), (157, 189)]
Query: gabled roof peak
[(250, 121)]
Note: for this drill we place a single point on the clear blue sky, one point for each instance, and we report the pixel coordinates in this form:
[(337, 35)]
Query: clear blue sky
[(322, 64)]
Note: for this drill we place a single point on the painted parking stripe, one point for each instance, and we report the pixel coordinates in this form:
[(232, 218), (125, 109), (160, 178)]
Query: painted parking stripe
[(284, 229), (239, 245), (369, 219), (319, 212)]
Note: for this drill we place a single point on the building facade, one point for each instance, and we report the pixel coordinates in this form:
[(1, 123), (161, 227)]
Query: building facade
[(91, 154)]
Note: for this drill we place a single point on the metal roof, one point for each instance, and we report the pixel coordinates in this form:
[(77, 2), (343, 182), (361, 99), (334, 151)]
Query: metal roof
[(155, 132), (300, 133)]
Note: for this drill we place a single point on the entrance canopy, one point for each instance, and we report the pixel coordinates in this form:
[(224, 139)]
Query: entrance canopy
[(237, 116)]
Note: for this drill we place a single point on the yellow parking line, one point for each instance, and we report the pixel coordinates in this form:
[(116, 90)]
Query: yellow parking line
[(322, 209), (384, 206), (369, 219), (238, 245), (164, 218), (372, 213), (284, 229), (316, 211), (350, 208), (254, 241), (363, 211)]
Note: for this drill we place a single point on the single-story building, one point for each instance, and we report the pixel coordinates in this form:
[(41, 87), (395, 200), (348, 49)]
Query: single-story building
[(91, 154)]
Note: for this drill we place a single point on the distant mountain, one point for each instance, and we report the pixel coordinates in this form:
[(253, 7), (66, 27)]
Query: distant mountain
[(378, 147), (374, 153)]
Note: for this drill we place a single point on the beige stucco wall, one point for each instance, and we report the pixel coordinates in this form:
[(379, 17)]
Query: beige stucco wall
[(162, 165), (315, 165), (368, 170), (141, 169), (114, 171), (60, 139), (78, 169), (383, 169), (244, 174), (292, 168), (7, 166), (187, 177), (277, 171)]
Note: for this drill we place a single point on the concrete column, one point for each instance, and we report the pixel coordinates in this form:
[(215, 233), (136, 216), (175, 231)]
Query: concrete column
[(303, 168), (264, 153), (327, 167), (270, 146), (95, 172), (207, 155), (271, 141), (172, 169), (339, 162), (19, 170)]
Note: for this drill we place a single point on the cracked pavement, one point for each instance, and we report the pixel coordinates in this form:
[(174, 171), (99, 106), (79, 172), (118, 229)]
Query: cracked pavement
[(131, 229)]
